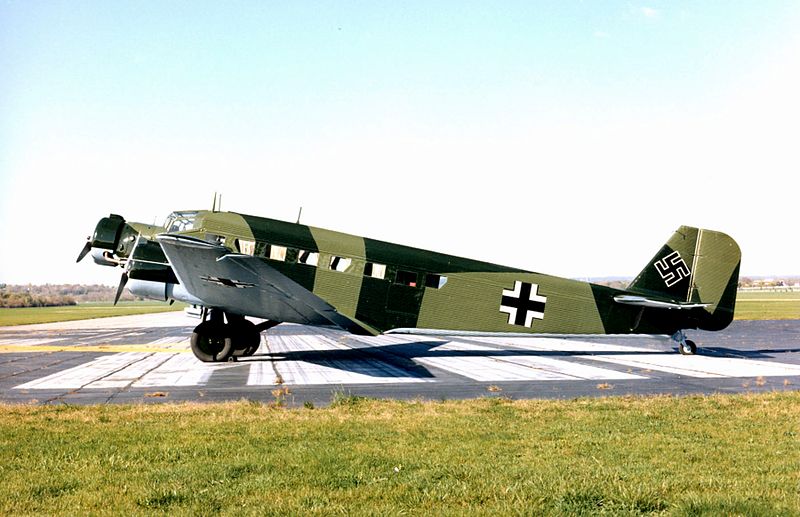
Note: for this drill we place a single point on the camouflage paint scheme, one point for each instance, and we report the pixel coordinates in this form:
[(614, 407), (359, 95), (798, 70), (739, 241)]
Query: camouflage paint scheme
[(690, 283)]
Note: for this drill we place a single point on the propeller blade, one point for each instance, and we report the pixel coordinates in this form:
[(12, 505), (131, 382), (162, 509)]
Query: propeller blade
[(86, 249), (122, 282)]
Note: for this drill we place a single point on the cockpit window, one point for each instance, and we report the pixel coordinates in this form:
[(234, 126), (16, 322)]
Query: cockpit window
[(180, 221)]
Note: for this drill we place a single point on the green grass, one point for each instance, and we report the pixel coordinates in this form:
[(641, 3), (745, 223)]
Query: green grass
[(717, 455), (767, 305), (27, 315)]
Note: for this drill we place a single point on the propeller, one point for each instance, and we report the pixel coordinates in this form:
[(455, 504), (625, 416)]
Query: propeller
[(122, 281), (86, 249)]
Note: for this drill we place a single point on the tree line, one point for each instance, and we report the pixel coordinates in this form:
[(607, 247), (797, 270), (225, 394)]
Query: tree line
[(50, 295)]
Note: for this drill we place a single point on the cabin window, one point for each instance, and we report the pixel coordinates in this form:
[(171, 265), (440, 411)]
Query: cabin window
[(435, 281), (246, 247), (310, 258), (408, 278), (277, 252), (340, 263), (374, 270)]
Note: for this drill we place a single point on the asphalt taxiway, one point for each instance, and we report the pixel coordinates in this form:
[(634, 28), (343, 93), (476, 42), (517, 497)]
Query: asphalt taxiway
[(146, 358)]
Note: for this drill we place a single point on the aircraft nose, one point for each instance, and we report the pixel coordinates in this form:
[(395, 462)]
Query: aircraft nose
[(111, 233)]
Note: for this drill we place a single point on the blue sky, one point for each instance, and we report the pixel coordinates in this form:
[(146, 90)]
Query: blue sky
[(565, 137)]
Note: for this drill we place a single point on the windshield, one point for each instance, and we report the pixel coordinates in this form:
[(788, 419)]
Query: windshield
[(180, 221)]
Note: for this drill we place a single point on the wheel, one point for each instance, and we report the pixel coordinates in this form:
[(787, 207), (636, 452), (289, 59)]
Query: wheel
[(252, 350), (246, 339), (211, 342), (687, 347)]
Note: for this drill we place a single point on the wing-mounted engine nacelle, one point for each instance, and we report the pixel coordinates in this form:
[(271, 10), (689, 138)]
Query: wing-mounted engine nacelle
[(148, 262)]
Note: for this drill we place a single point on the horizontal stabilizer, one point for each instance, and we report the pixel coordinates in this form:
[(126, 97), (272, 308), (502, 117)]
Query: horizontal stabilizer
[(642, 301)]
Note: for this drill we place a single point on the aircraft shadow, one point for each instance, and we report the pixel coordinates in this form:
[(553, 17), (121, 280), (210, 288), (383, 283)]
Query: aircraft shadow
[(401, 356), (769, 353)]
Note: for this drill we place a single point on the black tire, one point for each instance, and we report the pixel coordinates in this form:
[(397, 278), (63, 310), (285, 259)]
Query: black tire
[(688, 349), (210, 343), (246, 339), (252, 350)]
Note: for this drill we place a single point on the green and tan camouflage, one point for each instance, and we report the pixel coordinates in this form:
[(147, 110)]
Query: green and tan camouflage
[(247, 266)]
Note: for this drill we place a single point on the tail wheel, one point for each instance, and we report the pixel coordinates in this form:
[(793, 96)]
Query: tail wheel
[(211, 342), (687, 347)]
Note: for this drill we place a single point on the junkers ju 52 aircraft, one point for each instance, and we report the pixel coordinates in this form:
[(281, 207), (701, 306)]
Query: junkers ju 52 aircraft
[(238, 266)]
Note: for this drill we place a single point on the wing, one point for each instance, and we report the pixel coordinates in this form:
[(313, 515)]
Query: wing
[(247, 285)]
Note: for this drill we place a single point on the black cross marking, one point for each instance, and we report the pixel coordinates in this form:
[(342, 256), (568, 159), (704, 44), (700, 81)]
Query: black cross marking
[(226, 282), (523, 304)]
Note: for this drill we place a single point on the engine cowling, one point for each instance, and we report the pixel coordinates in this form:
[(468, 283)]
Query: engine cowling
[(112, 233)]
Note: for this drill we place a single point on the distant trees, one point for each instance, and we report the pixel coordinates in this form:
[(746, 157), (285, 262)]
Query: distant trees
[(13, 300), (762, 282), (50, 295)]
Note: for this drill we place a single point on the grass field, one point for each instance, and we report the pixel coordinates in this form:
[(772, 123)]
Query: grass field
[(766, 305), (717, 455), (26, 315)]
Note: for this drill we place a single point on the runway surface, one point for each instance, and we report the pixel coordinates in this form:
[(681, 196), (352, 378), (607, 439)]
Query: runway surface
[(146, 358)]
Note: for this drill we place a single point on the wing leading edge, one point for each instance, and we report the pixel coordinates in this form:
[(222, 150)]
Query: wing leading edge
[(246, 285)]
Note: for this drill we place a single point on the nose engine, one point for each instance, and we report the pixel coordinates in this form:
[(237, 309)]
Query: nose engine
[(117, 243), (114, 236)]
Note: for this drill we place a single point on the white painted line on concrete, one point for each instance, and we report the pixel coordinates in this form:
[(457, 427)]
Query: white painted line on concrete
[(29, 341), (701, 366), (135, 369), (78, 376), (261, 374), (131, 373), (324, 370), (563, 345), (171, 340), (573, 370), (342, 372), (181, 370), (494, 368), (487, 369)]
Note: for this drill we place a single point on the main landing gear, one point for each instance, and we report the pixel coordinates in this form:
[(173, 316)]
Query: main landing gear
[(685, 346), (215, 340)]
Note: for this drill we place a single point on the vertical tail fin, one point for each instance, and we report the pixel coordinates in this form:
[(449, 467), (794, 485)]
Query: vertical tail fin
[(697, 266)]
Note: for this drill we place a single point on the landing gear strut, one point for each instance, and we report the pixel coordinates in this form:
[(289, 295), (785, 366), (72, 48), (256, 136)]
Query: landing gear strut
[(685, 346), (215, 340)]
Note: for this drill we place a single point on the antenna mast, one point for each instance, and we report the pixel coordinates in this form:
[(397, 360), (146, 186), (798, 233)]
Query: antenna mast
[(217, 205)]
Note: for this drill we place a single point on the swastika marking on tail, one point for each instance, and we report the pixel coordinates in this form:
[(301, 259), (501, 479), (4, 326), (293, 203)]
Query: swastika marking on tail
[(672, 268)]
